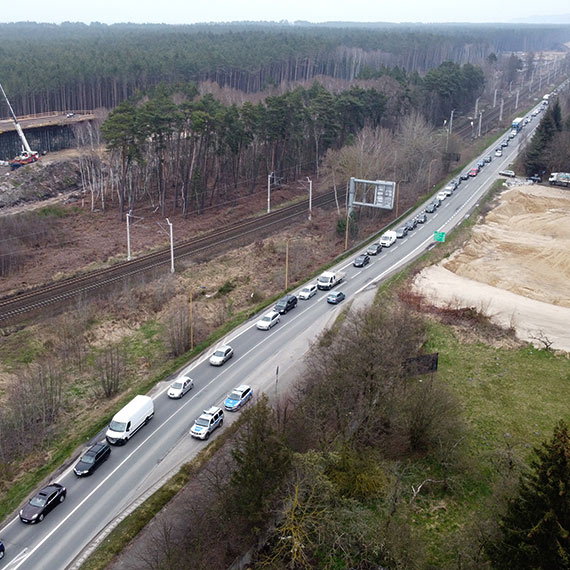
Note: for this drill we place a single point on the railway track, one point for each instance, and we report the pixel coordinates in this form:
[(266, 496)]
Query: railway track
[(30, 303)]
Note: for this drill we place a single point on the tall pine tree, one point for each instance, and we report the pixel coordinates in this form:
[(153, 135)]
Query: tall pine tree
[(536, 527)]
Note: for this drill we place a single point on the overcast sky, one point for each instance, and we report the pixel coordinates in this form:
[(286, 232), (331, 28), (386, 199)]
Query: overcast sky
[(193, 11)]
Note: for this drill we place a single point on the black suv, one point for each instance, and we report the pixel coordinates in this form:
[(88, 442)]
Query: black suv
[(92, 458), (286, 304)]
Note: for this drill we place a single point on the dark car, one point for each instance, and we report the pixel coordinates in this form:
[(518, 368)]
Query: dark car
[(2, 549), (537, 179), (409, 225), (374, 249), (42, 503), (504, 143), (480, 164), (487, 159), (92, 458), (421, 218), (464, 176), (430, 208), (361, 261), (401, 232), (285, 304), (335, 298)]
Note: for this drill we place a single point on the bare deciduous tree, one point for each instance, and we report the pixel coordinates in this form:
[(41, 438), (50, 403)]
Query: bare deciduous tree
[(110, 366)]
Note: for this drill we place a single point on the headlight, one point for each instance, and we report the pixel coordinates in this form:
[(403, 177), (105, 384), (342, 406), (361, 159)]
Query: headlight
[(21, 512), (35, 516)]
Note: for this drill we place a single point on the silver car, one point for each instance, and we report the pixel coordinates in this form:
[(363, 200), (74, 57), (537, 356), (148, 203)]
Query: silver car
[(180, 386), (308, 291), (221, 355), (268, 320)]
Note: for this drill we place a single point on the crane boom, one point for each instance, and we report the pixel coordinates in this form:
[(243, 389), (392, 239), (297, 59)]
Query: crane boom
[(28, 155)]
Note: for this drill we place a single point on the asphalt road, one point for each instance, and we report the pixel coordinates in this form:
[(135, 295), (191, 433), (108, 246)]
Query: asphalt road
[(263, 359)]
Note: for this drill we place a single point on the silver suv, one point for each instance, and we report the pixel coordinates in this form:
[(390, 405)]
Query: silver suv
[(211, 419)]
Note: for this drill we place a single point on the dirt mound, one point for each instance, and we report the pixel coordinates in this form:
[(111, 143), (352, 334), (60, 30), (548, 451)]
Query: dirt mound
[(515, 269), (523, 246), (37, 182)]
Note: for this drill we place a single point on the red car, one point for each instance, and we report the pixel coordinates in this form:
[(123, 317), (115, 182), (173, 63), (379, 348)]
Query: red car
[(473, 172)]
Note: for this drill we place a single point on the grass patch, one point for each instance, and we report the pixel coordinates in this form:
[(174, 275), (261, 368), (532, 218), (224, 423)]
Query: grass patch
[(53, 211)]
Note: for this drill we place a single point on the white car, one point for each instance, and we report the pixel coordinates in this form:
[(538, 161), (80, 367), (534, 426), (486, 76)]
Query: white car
[(498, 152), (308, 291), (268, 320), (388, 238), (180, 386), (441, 196), (508, 173), (221, 355), (211, 419)]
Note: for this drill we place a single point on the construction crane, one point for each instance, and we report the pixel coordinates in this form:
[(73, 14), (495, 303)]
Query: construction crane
[(27, 156)]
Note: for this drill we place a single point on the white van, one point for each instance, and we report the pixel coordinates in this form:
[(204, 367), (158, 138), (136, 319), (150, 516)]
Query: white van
[(130, 419), (388, 238)]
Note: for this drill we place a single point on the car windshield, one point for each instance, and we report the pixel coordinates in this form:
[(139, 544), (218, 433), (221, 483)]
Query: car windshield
[(234, 396), (88, 458), (306, 290), (38, 501), (202, 422), (117, 426), (177, 386), (266, 318), (219, 353)]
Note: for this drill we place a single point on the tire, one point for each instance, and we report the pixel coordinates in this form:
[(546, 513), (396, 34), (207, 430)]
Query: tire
[(221, 423), (207, 435), (2, 554), (61, 498), (41, 518)]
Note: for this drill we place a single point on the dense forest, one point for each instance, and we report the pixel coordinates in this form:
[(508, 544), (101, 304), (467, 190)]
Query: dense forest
[(46, 67), (191, 151)]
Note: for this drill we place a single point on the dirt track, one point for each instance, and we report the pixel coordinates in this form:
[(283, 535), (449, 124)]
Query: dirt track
[(515, 268)]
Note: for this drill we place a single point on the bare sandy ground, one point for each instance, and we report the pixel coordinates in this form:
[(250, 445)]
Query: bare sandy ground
[(515, 268)]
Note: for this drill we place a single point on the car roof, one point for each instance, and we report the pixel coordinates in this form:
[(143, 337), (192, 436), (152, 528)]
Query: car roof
[(242, 388), (223, 347)]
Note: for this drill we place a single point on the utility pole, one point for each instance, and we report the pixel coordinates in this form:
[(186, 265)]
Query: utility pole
[(517, 100), (171, 246), (494, 100), (501, 110), (480, 121), (129, 214), (449, 130), (477, 105), (310, 197), (269, 192)]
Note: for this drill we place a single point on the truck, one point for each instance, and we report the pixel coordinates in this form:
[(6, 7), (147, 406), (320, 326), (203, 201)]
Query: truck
[(517, 124), (546, 98), (559, 178), (126, 422), (329, 279)]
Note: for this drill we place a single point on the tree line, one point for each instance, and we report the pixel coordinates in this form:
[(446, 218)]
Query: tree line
[(549, 149), (47, 67), (192, 151)]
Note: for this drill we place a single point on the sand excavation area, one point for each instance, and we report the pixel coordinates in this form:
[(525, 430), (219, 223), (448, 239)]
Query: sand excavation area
[(515, 268)]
